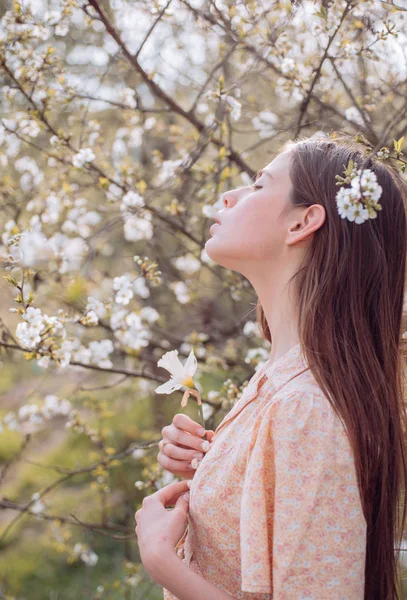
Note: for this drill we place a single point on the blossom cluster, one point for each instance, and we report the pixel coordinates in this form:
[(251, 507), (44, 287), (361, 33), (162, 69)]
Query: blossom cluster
[(359, 202), (36, 414), (35, 324), (87, 555), (31, 248)]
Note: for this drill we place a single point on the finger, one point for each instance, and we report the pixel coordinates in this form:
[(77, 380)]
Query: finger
[(169, 494), (187, 424), (173, 451), (172, 465), (183, 502), (209, 434), (178, 436)]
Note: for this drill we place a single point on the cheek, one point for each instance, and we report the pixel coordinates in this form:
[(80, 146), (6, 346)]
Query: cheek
[(250, 234)]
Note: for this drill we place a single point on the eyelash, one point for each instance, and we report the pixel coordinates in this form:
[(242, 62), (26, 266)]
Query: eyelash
[(256, 187)]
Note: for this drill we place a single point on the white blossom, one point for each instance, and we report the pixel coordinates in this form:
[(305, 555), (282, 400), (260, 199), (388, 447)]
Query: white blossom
[(96, 306), (210, 210), (181, 375), (38, 506), (132, 200), (353, 114), (35, 249), (138, 228), (265, 123), (127, 96), (188, 264), (100, 351), (149, 314), (124, 288), (181, 291), (84, 155), (287, 65), (140, 287), (236, 108), (138, 453), (251, 328)]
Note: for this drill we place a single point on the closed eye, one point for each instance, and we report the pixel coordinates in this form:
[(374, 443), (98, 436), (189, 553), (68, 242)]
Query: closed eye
[(256, 187)]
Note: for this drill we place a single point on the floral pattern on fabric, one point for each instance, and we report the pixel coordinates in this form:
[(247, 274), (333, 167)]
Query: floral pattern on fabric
[(275, 510)]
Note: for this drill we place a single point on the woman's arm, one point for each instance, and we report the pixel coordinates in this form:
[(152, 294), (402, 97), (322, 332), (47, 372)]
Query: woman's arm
[(175, 576)]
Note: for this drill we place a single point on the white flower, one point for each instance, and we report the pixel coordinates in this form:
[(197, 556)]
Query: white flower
[(210, 210), (29, 127), (28, 335), (188, 263), (89, 558), (83, 156), (140, 287), (100, 351), (287, 65), (61, 29), (138, 228), (132, 200), (133, 332), (353, 114), (124, 287), (34, 317), (117, 318), (181, 291), (43, 362), (149, 314), (96, 306), (127, 95), (207, 411), (251, 328), (38, 506), (356, 202), (236, 108), (35, 249), (265, 123), (181, 375), (138, 453)]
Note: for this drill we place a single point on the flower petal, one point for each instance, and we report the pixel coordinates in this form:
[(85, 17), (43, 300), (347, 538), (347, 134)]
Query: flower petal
[(190, 365), (172, 363), (168, 387)]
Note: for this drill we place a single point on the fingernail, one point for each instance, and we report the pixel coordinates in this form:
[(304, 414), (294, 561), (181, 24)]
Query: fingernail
[(205, 445), (194, 463), (198, 455), (189, 483), (186, 495), (200, 431)]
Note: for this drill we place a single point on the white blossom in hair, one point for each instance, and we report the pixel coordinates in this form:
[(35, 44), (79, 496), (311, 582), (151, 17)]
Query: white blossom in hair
[(358, 202)]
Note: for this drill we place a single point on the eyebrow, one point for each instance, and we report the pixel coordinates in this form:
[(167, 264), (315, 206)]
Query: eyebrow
[(260, 173)]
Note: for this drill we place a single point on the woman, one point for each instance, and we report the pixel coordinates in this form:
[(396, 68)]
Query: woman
[(299, 495)]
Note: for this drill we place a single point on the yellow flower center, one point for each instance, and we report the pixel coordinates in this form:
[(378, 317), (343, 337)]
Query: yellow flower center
[(188, 382)]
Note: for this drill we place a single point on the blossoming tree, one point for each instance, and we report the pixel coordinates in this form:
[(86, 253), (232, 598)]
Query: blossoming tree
[(121, 126)]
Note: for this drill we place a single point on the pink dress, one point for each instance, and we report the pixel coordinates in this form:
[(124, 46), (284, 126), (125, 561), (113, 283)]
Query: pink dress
[(275, 510)]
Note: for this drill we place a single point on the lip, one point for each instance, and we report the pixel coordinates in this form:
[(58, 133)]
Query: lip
[(211, 230)]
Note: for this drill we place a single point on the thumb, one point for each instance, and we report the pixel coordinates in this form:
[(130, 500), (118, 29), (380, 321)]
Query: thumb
[(209, 434), (183, 502)]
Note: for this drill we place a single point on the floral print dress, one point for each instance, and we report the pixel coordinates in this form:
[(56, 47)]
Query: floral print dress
[(275, 511)]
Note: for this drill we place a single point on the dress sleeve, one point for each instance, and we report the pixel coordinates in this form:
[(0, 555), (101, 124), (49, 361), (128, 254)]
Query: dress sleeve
[(302, 528)]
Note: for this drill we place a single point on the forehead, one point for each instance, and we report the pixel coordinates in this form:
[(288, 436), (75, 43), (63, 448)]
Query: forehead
[(280, 163)]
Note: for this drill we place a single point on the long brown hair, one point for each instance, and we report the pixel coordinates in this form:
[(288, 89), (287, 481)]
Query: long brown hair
[(349, 292)]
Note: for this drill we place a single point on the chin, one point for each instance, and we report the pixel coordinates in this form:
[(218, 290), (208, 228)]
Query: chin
[(218, 255)]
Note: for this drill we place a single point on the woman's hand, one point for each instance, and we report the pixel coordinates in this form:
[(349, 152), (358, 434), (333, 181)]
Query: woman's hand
[(181, 444), (159, 530)]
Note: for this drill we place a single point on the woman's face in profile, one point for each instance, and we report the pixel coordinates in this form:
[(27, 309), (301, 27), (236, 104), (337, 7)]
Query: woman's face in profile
[(252, 229)]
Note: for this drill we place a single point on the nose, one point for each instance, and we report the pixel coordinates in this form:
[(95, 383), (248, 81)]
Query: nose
[(228, 200)]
